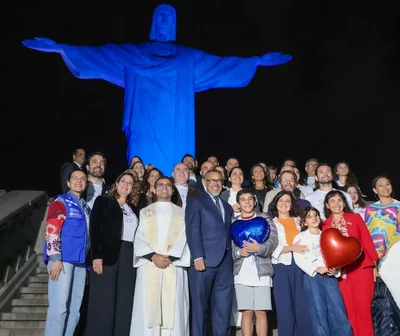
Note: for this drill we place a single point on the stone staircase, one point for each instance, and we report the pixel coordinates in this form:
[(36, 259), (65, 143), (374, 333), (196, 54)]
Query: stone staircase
[(27, 316)]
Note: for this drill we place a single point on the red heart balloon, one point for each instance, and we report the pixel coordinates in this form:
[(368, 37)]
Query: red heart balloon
[(338, 250)]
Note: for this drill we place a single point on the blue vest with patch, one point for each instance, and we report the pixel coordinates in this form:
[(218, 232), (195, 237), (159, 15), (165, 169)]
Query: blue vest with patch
[(73, 233)]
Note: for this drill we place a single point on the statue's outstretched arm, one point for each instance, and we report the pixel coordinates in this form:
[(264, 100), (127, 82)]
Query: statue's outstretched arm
[(85, 62), (42, 44), (274, 58), (213, 71)]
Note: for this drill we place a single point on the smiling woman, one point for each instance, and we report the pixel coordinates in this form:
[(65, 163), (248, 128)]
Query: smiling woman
[(113, 224), (67, 222), (357, 287)]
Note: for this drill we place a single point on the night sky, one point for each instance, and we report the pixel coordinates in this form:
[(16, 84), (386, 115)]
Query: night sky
[(337, 99)]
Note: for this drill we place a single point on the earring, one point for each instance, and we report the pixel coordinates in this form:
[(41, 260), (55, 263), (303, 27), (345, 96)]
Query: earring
[(392, 193), (376, 197)]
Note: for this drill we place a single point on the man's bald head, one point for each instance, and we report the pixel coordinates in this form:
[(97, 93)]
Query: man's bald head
[(205, 167), (180, 174)]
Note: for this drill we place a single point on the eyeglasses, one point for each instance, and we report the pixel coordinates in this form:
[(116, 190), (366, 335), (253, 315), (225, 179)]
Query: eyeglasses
[(124, 211), (312, 165), (214, 181), (76, 178), (285, 180)]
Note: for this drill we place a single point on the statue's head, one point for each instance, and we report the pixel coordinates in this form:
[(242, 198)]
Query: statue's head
[(163, 26)]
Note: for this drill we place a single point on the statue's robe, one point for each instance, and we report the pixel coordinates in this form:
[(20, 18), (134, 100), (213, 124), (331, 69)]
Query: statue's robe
[(160, 81)]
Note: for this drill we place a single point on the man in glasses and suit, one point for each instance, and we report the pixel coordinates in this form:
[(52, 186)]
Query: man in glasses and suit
[(208, 220)]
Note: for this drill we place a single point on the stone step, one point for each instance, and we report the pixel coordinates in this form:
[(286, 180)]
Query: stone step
[(39, 279), (23, 316), (239, 332), (38, 284), (41, 270), (33, 310), (41, 264), (29, 303), (21, 332), (34, 296), (42, 275), (33, 290), (22, 324)]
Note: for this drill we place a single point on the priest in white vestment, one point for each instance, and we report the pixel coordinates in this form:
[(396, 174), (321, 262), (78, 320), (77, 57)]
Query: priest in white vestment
[(161, 301)]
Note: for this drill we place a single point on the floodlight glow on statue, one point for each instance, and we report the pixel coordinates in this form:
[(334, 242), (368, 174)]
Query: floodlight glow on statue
[(160, 79)]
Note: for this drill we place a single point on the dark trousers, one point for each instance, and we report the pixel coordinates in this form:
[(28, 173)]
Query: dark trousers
[(328, 314), (212, 292), (292, 305), (111, 296)]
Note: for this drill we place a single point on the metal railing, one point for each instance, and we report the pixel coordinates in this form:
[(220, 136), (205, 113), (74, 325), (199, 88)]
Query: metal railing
[(21, 216)]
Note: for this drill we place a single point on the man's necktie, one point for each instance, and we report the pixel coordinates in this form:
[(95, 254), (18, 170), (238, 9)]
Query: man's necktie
[(216, 198)]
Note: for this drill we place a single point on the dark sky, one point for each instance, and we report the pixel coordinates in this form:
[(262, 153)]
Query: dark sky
[(337, 99)]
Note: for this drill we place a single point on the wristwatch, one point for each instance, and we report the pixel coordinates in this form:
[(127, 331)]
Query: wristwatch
[(238, 252)]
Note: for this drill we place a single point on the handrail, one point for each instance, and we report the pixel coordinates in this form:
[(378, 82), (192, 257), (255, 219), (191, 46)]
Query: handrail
[(21, 216)]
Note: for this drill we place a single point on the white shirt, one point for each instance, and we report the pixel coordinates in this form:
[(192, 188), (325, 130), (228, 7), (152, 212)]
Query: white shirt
[(360, 211), (311, 181), (183, 190), (395, 201), (317, 199), (305, 189), (129, 224), (232, 201), (315, 248), (98, 188)]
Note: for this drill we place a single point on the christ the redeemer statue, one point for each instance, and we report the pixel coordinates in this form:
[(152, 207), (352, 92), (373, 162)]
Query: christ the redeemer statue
[(160, 79)]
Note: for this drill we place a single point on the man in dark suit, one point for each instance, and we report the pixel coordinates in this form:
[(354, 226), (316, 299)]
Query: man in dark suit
[(78, 159), (208, 220)]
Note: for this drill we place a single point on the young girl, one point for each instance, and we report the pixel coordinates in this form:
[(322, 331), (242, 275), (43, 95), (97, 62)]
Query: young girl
[(328, 314)]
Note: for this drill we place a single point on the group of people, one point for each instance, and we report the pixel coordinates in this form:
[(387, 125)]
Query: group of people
[(153, 254)]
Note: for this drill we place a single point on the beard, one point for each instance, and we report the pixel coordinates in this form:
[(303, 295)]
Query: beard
[(97, 172)]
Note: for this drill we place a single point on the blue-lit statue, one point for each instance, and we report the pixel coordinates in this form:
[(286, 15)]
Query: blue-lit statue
[(160, 79)]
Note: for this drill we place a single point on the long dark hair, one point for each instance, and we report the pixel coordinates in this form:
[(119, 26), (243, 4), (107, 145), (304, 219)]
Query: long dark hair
[(361, 201), (145, 182), (267, 183)]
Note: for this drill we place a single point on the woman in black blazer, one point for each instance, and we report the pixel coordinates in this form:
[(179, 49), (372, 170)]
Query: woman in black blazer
[(113, 224)]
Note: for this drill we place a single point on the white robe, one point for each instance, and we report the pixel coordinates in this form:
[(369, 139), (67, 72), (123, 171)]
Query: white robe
[(164, 214), (390, 271)]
